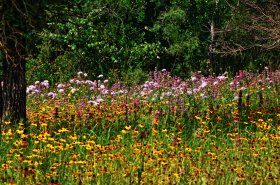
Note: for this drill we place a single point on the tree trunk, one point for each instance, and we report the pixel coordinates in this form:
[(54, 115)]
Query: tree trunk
[(12, 43), (14, 91), (211, 48), (1, 101)]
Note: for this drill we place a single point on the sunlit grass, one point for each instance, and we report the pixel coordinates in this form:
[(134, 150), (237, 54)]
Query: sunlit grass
[(205, 130)]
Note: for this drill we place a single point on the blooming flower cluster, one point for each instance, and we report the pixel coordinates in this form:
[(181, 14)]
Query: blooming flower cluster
[(201, 130), (37, 87)]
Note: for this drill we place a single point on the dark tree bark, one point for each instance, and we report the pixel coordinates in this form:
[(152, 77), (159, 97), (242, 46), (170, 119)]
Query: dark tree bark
[(1, 101), (14, 21), (14, 90)]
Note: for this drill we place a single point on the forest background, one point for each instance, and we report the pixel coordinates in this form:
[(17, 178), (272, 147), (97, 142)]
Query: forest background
[(126, 39)]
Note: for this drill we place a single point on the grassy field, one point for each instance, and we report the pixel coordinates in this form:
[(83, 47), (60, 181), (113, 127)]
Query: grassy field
[(204, 130)]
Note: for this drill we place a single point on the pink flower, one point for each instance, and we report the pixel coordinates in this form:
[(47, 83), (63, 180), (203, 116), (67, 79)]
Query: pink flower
[(221, 77), (203, 84), (242, 88), (51, 95), (60, 86), (193, 78)]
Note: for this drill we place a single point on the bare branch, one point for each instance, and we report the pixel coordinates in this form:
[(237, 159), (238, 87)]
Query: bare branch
[(260, 27)]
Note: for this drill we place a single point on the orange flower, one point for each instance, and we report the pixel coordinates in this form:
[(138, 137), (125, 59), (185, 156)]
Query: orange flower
[(155, 121)]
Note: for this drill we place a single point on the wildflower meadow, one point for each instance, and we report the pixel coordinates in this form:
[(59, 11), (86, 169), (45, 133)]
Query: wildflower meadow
[(168, 130)]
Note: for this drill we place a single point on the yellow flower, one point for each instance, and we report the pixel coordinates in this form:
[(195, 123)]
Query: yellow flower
[(137, 150), (63, 130), (44, 125), (203, 123), (88, 147), (119, 137), (19, 131), (155, 131), (124, 131), (188, 149), (5, 166), (50, 146), (176, 175), (50, 139), (23, 136), (7, 122), (128, 127), (10, 132), (33, 125), (73, 137), (89, 173), (62, 140), (17, 143), (206, 130), (141, 125)]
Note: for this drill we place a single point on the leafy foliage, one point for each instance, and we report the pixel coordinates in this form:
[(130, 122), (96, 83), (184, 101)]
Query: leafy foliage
[(110, 37)]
